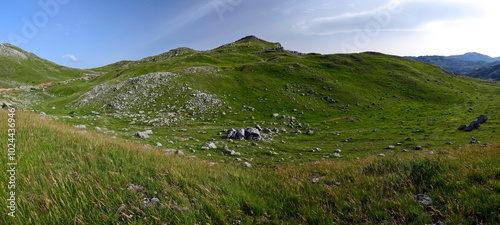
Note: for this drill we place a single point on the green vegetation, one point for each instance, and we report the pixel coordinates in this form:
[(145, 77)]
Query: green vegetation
[(65, 177), (359, 104), (21, 68)]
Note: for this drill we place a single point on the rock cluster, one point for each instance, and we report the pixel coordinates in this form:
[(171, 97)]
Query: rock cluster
[(474, 125)]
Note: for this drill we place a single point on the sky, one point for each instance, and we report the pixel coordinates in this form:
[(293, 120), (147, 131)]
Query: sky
[(92, 33)]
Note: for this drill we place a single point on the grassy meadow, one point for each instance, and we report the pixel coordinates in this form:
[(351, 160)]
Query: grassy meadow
[(65, 176)]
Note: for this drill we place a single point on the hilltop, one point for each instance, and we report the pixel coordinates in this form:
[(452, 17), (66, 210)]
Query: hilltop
[(21, 68)]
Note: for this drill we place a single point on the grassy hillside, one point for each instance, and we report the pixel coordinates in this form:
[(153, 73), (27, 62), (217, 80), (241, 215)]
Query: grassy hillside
[(359, 103), (18, 68), (364, 114), (68, 177)]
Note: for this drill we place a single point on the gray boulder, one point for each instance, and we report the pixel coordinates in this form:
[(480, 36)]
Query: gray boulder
[(252, 134), (310, 132), (231, 133), (143, 135), (473, 125), (266, 130), (240, 134), (211, 145), (258, 127), (463, 127), (482, 119)]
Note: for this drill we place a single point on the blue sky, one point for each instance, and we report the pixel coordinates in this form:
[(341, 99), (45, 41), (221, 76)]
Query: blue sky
[(88, 34)]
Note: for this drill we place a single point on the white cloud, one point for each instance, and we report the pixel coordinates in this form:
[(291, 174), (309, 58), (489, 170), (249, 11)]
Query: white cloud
[(71, 57), (394, 15)]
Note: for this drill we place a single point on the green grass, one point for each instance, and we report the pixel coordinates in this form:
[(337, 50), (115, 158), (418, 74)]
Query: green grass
[(68, 177), (65, 177)]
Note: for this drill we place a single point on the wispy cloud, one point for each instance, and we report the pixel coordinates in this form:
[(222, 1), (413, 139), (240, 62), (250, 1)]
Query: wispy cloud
[(71, 57), (395, 15)]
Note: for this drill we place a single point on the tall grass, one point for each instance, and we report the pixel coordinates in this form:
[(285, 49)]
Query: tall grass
[(66, 177)]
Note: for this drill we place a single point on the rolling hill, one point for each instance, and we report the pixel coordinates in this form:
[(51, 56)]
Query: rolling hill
[(21, 68), (344, 138)]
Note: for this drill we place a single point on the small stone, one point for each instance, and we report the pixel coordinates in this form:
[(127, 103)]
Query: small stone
[(211, 145), (424, 199), (143, 135), (315, 180), (247, 164), (473, 141), (417, 148)]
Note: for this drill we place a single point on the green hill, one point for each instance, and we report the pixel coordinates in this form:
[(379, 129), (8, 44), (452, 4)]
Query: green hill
[(20, 68), (337, 140)]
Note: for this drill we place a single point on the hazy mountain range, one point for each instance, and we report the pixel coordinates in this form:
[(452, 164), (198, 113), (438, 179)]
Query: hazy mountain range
[(471, 64)]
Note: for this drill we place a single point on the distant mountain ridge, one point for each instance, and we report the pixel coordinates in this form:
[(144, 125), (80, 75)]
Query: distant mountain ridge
[(471, 64), (475, 57)]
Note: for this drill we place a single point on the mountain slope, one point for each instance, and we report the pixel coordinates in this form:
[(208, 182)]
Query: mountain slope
[(475, 57), (460, 63), (18, 68), (486, 73), (456, 65)]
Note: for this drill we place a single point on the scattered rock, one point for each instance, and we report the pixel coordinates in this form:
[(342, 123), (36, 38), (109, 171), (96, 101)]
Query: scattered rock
[(231, 133), (252, 134), (424, 199), (240, 134), (275, 115), (473, 141), (158, 144), (417, 148), (315, 180), (390, 147), (297, 131), (142, 135), (247, 164), (473, 125), (449, 143), (266, 130), (211, 145), (310, 132), (482, 119), (258, 127), (80, 127)]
